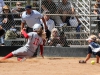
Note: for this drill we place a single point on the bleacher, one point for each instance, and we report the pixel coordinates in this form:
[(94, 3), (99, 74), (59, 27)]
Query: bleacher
[(70, 31)]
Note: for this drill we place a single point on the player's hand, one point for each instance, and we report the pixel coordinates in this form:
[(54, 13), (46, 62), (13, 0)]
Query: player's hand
[(22, 30)]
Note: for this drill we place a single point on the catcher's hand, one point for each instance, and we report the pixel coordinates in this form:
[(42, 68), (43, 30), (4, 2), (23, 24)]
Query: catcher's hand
[(82, 61)]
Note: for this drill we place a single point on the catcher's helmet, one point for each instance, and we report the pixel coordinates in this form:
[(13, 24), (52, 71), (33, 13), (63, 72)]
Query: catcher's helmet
[(37, 27)]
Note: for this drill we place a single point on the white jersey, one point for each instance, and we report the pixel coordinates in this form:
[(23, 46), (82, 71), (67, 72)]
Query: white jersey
[(34, 41)]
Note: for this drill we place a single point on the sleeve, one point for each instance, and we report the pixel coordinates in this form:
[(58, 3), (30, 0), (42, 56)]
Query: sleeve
[(39, 14), (89, 50), (22, 19), (3, 4), (25, 34)]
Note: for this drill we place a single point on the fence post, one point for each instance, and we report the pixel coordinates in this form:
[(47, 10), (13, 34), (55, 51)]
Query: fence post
[(90, 16)]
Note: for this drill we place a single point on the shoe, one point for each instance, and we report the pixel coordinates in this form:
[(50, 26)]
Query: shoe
[(2, 44), (82, 61)]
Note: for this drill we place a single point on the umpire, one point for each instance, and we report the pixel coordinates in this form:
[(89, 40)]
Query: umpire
[(30, 17)]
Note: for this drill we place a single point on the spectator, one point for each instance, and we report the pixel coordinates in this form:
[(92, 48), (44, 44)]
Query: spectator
[(96, 12), (54, 39), (35, 5), (1, 6), (63, 41), (49, 22), (13, 29), (2, 37), (49, 5), (65, 7), (17, 11), (8, 19)]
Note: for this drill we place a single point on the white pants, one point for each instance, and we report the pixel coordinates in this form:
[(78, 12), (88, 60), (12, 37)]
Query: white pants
[(23, 52)]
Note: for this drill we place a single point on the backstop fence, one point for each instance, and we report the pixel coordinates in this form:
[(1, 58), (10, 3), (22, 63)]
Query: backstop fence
[(76, 18)]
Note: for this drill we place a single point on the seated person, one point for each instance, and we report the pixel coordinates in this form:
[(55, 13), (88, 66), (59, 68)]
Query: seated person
[(49, 5), (96, 11), (35, 5), (54, 39), (63, 41), (8, 19), (65, 7), (2, 32), (13, 29), (18, 10), (49, 22)]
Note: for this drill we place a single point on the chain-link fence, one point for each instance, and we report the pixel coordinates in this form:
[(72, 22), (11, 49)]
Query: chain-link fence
[(75, 18)]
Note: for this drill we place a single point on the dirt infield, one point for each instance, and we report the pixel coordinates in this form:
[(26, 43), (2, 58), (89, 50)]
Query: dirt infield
[(48, 66)]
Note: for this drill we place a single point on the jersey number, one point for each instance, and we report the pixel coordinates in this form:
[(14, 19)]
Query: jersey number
[(36, 41)]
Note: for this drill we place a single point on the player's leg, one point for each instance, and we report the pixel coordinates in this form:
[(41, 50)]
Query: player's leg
[(97, 57), (8, 56), (35, 53)]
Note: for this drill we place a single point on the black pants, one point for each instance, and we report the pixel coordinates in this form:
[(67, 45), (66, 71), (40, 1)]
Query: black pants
[(28, 29)]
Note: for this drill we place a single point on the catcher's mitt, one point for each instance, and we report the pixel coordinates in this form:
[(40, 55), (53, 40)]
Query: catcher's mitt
[(2, 32), (82, 61)]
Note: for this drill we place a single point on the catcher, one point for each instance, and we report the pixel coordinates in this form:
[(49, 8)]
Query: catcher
[(93, 48), (34, 41)]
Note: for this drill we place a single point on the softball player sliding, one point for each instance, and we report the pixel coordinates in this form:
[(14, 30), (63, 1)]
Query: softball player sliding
[(34, 40)]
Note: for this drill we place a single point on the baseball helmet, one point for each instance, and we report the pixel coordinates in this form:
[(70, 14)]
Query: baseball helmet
[(37, 27)]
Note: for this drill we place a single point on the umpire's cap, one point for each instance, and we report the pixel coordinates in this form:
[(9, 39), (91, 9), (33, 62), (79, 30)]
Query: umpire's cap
[(28, 7)]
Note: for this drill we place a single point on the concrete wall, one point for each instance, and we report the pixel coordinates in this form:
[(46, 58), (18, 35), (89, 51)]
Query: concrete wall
[(51, 51), (64, 52)]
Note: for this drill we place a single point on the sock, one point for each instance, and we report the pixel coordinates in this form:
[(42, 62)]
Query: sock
[(8, 56), (19, 59)]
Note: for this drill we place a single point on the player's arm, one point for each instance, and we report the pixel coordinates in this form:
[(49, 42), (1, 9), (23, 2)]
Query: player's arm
[(22, 25), (87, 57), (24, 34), (89, 54), (41, 50)]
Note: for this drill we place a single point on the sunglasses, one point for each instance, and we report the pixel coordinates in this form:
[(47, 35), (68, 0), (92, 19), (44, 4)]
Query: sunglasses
[(18, 4)]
